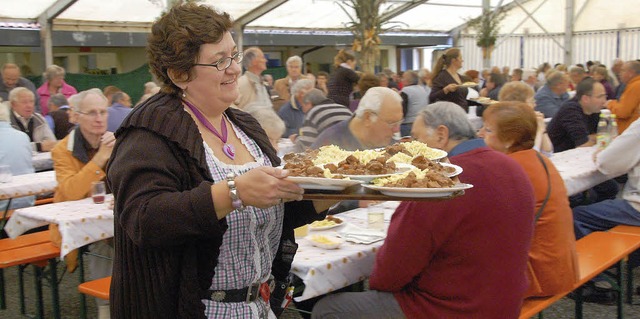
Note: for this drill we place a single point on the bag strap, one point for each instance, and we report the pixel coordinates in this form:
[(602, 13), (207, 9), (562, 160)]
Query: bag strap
[(546, 199)]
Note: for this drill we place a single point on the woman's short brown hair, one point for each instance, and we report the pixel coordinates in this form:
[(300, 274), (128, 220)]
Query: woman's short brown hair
[(516, 91), (176, 38), (515, 122), (342, 57), (367, 81)]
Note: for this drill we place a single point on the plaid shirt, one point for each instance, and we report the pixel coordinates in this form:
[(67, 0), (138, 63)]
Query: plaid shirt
[(249, 245)]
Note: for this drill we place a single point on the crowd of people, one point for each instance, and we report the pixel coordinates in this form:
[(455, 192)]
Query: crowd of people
[(204, 218)]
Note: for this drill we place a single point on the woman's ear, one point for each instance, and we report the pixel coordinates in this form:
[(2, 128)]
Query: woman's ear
[(179, 81)]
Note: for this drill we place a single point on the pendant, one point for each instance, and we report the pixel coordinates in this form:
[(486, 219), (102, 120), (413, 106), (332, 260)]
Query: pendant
[(229, 151)]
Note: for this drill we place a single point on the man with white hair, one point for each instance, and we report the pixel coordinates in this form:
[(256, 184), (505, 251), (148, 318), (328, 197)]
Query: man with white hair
[(291, 112), (252, 90), (529, 77), (24, 118), (553, 94), (294, 73), (81, 159), (377, 119)]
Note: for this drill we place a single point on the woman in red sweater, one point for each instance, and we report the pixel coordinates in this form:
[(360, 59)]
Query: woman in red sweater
[(510, 128)]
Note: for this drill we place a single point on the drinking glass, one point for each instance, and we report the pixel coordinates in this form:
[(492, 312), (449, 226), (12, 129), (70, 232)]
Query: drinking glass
[(375, 219), (5, 174), (98, 192)]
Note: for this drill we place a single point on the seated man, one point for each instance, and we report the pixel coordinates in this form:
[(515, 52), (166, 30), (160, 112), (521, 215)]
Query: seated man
[(11, 79), (320, 113), (572, 126), (291, 112), (376, 120), (119, 109), (450, 259), (80, 159), (622, 156), (575, 126), (60, 114), (24, 118), (627, 110), (15, 151), (553, 94)]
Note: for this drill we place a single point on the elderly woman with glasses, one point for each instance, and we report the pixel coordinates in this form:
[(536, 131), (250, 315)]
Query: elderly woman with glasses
[(199, 207), (54, 84)]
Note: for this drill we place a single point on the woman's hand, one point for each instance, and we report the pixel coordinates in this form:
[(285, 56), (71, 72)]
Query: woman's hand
[(450, 88), (266, 186), (540, 120)]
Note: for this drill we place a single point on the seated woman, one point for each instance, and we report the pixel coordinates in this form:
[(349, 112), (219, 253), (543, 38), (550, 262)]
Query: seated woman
[(510, 128), (522, 92)]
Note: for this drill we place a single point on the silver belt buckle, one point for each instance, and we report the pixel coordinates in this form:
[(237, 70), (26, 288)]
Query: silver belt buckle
[(218, 295), (252, 292)]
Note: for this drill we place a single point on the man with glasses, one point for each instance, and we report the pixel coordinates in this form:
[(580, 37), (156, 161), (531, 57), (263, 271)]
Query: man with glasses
[(374, 124), (25, 119), (79, 160)]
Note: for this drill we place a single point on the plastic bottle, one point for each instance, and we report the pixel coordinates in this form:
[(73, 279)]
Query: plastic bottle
[(603, 135), (613, 127)]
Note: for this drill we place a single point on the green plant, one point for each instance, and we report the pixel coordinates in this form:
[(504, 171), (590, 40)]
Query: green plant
[(366, 26), (486, 27)]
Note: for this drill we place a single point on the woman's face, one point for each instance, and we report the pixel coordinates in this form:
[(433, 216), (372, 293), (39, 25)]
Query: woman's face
[(56, 81), (489, 132), (210, 86), (321, 80), (457, 62)]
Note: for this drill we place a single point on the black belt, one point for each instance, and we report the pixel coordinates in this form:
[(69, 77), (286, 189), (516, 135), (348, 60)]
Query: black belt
[(246, 294)]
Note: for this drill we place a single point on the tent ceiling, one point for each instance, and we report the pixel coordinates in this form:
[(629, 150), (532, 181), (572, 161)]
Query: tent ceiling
[(432, 15)]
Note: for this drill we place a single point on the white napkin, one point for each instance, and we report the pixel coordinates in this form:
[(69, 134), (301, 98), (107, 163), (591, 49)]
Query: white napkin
[(360, 235)]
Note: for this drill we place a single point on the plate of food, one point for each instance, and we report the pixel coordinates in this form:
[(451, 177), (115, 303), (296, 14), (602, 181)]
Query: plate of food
[(419, 192), (451, 170), (327, 223), (485, 100), (400, 168), (322, 183), (468, 84), (325, 241)]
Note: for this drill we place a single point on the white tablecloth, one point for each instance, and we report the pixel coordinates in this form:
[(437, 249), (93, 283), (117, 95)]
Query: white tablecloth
[(577, 169), (42, 161), (80, 222), (324, 271), (29, 184)]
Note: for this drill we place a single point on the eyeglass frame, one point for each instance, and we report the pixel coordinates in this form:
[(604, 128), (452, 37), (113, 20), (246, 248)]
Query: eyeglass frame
[(94, 114), (238, 56), (390, 125)]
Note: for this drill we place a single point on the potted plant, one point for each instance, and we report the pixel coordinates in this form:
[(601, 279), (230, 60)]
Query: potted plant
[(486, 27)]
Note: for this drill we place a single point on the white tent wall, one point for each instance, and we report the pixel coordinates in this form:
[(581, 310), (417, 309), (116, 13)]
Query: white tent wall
[(603, 46)]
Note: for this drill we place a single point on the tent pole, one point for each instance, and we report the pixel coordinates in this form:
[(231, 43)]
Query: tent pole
[(568, 33)]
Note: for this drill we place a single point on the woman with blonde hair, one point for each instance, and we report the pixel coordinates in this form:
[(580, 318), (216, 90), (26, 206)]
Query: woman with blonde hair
[(54, 84), (343, 79), (510, 128), (447, 81)]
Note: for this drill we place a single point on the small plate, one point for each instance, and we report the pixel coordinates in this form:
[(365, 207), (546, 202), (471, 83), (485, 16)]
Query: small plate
[(312, 227), (457, 168), (321, 183), (324, 241), (419, 192), (468, 85)]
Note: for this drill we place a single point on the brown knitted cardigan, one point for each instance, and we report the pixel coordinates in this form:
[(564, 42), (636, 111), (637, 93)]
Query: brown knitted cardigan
[(167, 238)]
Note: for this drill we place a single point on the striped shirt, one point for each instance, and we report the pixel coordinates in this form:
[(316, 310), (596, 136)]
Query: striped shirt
[(249, 244), (317, 120)]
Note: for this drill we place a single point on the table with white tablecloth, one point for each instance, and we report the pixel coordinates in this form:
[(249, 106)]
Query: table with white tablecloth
[(29, 184), (577, 169), (80, 222), (42, 161), (324, 271)]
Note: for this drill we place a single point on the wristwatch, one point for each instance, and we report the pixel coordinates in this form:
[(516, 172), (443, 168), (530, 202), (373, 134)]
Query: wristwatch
[(236, 202)]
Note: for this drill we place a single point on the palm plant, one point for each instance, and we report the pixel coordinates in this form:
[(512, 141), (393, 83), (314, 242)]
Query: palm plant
[(366, 26)]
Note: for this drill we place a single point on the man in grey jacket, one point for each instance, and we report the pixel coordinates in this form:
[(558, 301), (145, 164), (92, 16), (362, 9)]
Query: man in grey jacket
[(25, 119)]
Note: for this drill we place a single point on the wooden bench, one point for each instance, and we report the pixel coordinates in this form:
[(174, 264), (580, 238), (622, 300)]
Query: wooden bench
[(38, 255), (9, 244), (597, 252), (98, 288), (632, 230)]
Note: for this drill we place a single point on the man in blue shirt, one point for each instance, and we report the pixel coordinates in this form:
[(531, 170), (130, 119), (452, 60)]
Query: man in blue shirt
[(118, 111), (551, 96), (15, 151)]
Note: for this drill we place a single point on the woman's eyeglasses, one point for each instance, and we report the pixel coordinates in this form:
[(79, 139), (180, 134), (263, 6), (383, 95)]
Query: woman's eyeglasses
[(224, 63)]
